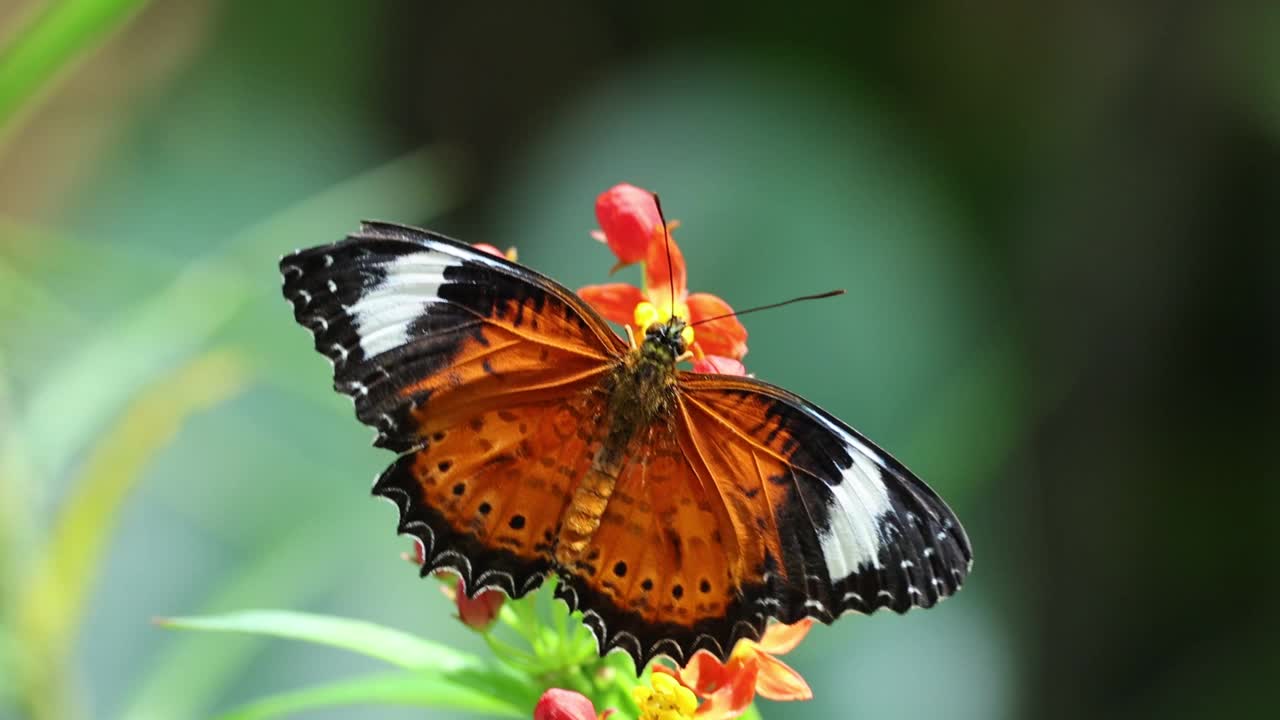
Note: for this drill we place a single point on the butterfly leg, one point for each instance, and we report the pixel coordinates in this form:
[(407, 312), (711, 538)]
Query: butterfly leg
[(631, 336)]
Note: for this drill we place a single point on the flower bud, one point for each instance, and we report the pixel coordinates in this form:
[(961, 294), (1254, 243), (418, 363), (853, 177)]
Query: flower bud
[(557, 704), (478, 612), (628, 217)]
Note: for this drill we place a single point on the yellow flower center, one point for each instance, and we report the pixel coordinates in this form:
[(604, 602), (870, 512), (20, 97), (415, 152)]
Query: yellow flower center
[(666, 700), (646, 314)]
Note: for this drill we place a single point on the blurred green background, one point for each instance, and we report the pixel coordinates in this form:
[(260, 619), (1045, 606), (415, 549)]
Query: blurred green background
[(1057, 225)]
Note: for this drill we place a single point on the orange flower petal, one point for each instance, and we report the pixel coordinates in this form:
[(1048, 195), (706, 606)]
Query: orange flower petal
[(719, 364), (725, 336), (627, 215), (704, 674), (733, 697), (658, 282), (615, 301), (777, 681), (780, 638)]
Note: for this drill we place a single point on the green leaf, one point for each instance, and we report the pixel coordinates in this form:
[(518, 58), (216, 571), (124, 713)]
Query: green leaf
[(416, 689), (175, 322), (393, 646), (54, 38)]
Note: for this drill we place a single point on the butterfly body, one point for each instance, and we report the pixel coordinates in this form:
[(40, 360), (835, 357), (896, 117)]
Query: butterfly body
[(641, 393), (680, 511)]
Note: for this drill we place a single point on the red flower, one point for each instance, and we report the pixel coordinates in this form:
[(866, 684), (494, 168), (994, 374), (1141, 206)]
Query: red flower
[(632, 218), (718, 364), (557, 704), (727, 689), (629, 219), (477, 612)]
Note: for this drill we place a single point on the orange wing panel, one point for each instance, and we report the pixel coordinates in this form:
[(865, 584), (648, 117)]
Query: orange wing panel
[(664, 572), (486, 496)]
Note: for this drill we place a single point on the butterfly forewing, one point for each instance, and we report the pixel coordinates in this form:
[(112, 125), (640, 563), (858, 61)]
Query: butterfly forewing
[(424, 332), (856, 530)]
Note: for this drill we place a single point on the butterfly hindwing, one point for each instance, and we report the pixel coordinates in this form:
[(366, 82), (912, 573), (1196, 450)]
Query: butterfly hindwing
[(657, 577), (752, 504), (424, 331), (486, 497)]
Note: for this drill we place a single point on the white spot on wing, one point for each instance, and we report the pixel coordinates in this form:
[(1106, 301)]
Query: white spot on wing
[(386, 311), (853, 539)]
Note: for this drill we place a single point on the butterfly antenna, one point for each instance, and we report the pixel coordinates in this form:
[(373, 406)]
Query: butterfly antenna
[(819, 296), (666, 235)]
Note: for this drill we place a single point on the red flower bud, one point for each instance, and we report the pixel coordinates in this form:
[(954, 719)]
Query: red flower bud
[(557, 704), (478, 612), (628, 218)]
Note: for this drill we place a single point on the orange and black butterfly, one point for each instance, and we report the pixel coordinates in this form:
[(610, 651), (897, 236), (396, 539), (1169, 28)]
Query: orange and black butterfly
[(681, 511)]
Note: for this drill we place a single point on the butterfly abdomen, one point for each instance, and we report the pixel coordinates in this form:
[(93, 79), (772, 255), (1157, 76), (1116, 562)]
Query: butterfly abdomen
[(582, 517), (641, 392)]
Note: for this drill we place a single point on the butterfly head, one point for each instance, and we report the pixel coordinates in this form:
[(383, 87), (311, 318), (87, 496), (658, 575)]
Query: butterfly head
[(669, 338)]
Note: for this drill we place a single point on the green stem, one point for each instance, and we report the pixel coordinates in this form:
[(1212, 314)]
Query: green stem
[(511, 655), (52, 39)]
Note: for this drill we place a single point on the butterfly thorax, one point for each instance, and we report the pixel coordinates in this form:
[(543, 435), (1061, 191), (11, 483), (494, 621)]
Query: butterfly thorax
[(642, 387), (641, 392)]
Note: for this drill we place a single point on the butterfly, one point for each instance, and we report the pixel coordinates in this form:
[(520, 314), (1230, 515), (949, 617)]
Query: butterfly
[(680, 511)]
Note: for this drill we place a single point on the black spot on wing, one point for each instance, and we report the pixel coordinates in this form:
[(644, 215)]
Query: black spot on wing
[(480, 566), (616, 627)]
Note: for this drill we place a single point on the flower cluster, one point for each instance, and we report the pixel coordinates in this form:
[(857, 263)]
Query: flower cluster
[(705, 689), (727, 689), (634, 230)]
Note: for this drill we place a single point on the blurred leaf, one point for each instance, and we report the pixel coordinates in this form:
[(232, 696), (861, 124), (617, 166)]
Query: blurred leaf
[(172, 325), (16, 529), (186, 679), (413, 689), (179, 319), (50, 607), (21, 295), (384, 643), (55, 37)]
